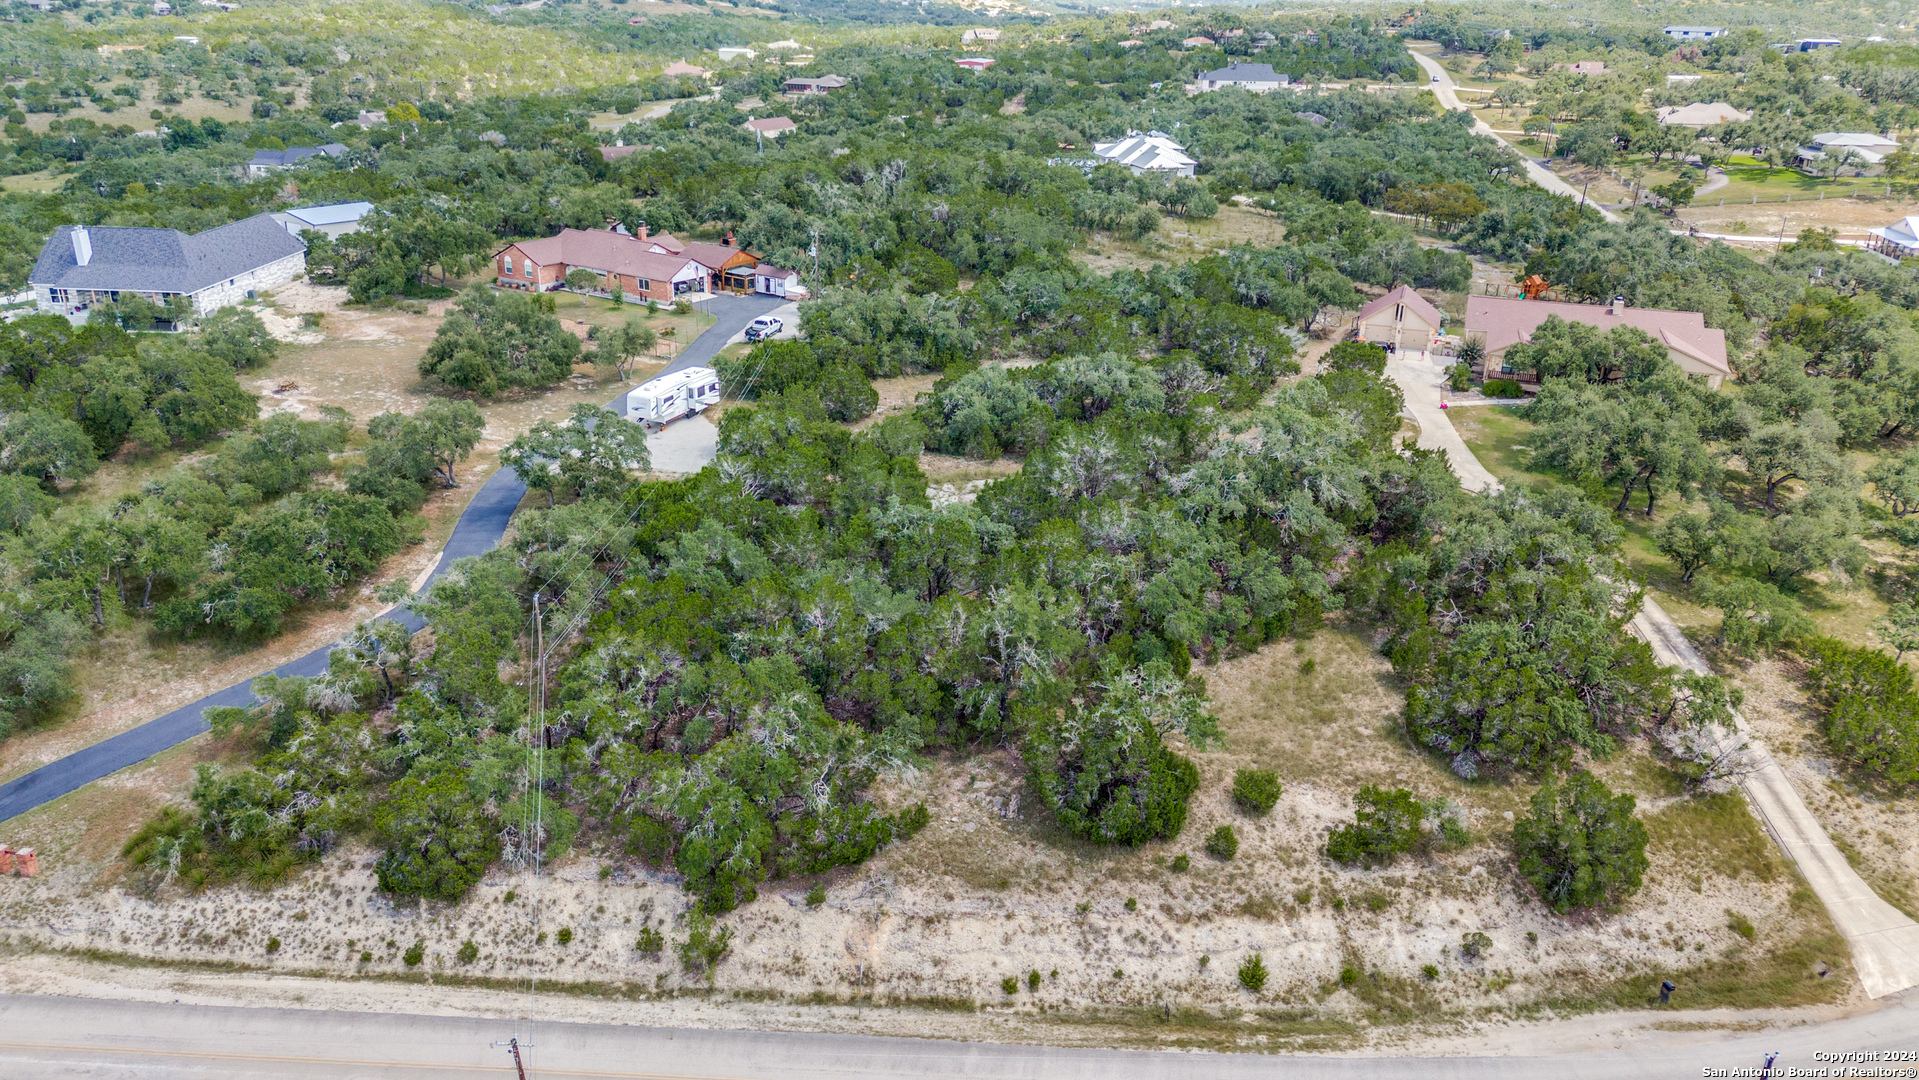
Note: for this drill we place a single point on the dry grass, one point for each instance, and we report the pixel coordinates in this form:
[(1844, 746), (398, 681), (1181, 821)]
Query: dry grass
[(1324, 711), (362, 360), (994, 887), (1716, 833), (1183, 239), (138, 116), (42, 181), (898, 397), (947, 469)]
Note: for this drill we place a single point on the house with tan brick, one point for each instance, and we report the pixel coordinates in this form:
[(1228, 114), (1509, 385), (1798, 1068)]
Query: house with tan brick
[(1500, 322), (643, 269)]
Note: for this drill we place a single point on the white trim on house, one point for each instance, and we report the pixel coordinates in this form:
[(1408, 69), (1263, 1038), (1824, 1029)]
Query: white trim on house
[(1152, 152)]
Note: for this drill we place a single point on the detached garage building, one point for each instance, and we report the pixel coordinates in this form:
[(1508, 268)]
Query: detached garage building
[(770, 280), (85, 265), (1402, 318)]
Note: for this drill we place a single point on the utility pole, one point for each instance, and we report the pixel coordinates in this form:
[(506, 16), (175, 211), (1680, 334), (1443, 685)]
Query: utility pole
[(513, 1047)]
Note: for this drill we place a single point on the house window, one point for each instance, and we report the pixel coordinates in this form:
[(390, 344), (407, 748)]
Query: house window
[(506, 265), (642, 284), (529, 268)]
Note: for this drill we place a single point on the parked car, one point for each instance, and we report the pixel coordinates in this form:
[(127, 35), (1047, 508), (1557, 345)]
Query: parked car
[(663, 399), (763, 327)]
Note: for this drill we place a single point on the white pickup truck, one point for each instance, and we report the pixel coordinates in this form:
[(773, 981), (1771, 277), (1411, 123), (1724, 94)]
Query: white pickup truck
[(663, 399)]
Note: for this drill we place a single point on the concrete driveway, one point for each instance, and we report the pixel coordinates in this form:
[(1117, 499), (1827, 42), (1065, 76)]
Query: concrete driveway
[(789, 317), (1422, 381), (1885, 942), (684, 446)]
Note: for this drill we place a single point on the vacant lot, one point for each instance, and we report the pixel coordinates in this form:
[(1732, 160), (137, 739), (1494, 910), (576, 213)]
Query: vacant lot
[(1874, 827), (1184, 239), (992, 889)]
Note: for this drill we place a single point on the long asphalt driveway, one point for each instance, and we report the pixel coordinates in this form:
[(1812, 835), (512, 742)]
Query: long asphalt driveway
[(1442, 86), (480, 527)]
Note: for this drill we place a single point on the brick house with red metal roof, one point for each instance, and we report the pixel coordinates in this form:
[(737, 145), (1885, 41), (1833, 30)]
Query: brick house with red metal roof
[(642, 271)]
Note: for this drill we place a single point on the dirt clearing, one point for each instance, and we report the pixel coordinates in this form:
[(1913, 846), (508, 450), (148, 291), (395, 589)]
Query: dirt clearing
[(992, 890)]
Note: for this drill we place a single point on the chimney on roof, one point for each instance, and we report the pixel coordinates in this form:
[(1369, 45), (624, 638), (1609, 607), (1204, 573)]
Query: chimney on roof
[(82, 245), (1618, 305), (642, 230), (728, 242)]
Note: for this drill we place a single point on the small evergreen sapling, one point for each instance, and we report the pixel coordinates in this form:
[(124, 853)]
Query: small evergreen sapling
[(1223, 843), (1256, 790), (1581, 846)]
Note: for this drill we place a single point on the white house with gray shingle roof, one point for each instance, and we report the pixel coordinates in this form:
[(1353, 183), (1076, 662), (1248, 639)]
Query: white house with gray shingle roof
[(1258, 78), (84, 265)]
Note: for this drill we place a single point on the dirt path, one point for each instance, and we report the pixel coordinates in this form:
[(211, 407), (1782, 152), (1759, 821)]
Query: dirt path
[(1885, 942)]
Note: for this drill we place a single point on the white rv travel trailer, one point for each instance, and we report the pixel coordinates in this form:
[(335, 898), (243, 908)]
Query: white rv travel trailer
[(663, 399)]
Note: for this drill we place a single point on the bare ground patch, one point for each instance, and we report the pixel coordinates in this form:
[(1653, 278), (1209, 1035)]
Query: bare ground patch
[(1183, 239), (1850, 217), (992, 889)]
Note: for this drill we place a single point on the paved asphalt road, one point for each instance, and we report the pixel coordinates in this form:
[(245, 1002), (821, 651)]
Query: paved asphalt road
[(1442, 89), (48, 1037), (480, 527)]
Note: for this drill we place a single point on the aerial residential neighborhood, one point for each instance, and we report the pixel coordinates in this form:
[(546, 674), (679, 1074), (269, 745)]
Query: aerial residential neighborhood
[(866, 539)]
